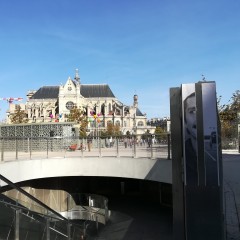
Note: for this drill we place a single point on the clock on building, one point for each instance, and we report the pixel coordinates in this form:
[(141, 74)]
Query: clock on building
[(69, 105)]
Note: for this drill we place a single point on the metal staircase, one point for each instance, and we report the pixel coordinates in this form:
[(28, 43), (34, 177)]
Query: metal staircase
[(20, 222)]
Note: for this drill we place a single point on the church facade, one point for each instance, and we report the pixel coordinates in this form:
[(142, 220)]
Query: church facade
[(54, 103)]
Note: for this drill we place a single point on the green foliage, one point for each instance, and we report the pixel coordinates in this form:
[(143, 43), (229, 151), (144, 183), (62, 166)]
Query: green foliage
[(146, 135), (158, 130), (160, 134), (19, 116), (78, 116), (229, 116), (103, 134)]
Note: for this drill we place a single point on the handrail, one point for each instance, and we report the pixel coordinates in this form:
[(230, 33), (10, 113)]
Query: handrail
[(13, 185), (21, 208), (22, 148), (31, 213)]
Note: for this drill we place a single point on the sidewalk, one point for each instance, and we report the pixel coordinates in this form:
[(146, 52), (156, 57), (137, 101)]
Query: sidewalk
[(231, 186), (134, 219), (131, 221), (231, 214)]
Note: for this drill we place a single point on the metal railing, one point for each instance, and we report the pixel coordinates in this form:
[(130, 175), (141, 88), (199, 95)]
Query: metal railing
[(18, 221), (24, 216), (74, 206), (154, 147)]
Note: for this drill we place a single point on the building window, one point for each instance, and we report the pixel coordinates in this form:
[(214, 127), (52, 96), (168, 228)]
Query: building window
[(103, 109), (140, 124), (117, 123), (69, 105)]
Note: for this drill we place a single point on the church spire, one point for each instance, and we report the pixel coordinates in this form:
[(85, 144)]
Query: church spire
[(135, 100), (77, 78)]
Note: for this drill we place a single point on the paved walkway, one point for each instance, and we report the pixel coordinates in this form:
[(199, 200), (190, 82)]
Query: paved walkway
[(132, 219), (231, 176)]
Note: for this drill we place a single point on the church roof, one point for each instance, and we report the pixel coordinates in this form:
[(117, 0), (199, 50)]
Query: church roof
[(87, 91), (96, 90), (139, 113), (46, 92)]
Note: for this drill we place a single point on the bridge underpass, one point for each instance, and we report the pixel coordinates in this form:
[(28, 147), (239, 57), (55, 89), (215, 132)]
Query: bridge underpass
[(140, 209), (138, 189)]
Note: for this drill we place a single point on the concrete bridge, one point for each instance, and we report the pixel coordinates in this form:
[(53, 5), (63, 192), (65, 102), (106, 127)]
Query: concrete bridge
[(139, 163), (135, 180)]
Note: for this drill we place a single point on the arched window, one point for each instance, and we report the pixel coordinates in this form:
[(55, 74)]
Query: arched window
[(95, 109), (109, 122), (140, 124), (103, 109), (117, 123), (109, 107)]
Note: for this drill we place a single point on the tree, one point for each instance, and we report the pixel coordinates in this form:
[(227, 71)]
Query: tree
[(229, 116), (78, 116), (113, 130), (146, 135), (235, 105), (160, 135), (19, 116)]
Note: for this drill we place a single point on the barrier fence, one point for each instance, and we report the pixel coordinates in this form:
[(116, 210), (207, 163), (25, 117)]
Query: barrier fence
[(22, 148)]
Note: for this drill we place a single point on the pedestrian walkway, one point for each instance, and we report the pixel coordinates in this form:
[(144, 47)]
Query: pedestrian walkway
[(231, 214), (135, 219), (231, 184), (132, 219)]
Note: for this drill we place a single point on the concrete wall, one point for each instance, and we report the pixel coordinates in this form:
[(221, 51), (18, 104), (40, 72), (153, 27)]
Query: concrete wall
[(138, 168)]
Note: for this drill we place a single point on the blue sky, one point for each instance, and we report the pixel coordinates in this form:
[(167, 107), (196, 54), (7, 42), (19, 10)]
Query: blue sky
[(135, 46)]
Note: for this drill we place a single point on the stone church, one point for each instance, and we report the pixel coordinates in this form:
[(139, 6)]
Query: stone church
[(53, 104)]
